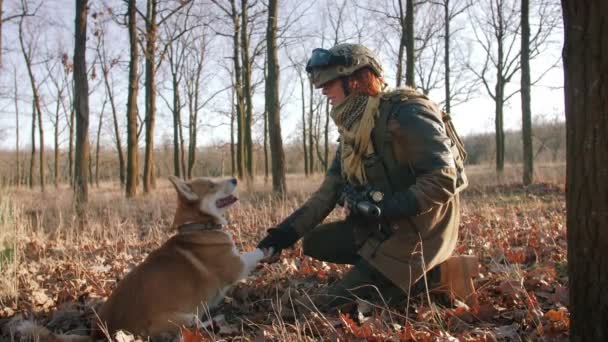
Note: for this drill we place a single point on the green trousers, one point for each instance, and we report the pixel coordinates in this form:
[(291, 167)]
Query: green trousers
[(338, 242)]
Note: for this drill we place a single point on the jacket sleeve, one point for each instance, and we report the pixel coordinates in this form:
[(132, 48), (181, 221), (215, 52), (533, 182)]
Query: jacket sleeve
[(425, 146), (320, 203)]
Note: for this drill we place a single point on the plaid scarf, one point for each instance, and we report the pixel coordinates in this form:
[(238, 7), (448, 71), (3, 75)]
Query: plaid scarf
[(355, 118)]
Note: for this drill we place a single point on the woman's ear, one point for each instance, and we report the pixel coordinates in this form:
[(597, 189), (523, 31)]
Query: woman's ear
[(183, 190)]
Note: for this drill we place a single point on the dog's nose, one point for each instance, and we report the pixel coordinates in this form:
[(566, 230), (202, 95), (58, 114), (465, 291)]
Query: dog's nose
[(233, 181)]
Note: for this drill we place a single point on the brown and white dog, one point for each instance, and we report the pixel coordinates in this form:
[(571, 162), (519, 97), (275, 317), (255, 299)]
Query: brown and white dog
[(190, 272)]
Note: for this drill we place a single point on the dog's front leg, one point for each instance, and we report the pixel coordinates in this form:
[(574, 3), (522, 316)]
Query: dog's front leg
[(250, 260)]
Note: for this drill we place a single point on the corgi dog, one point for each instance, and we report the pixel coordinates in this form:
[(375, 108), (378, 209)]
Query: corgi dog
[(186, 276)]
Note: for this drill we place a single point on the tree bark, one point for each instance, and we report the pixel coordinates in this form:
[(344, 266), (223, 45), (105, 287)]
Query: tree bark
[(81, 106), (17, 148), (132, 159), (311, 158), (98, 145), (56, 139), (273, 106), (247, 91), (526, 97), (37, 112), (240, 101), (402, 44), (150, 84), (304, 127), (446, 43), (33, 151), (586, 102), (409, 27)]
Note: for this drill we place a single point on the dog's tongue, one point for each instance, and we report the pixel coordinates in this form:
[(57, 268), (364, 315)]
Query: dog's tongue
[(226, 201)]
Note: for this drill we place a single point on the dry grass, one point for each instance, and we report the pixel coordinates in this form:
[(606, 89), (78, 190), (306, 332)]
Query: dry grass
[(53, 261)]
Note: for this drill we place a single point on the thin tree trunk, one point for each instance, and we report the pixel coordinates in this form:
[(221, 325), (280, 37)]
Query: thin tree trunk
[(586, 93), (97, 147), (446, 41), (410, 62), (37, 113), (311, 157), (526, 111), (273, 106), (500, 88), (33, 153), (150, 84), (304, 127), (182, 152), (176, 125), (326, 137), (121, 159), (81, 106), (56, 140), (247, 91), (402, 44), (72, 125), (232, 152), (240, 101), (17, 157), (132, 158)]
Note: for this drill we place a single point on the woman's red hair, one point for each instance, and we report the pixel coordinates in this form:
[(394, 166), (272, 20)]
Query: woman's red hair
[(365, 82)]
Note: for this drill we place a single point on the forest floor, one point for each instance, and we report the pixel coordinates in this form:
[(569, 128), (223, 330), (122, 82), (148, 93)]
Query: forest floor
[(54, 269)]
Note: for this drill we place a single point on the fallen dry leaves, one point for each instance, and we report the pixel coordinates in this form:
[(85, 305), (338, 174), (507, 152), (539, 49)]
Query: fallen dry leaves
[(518, 234)]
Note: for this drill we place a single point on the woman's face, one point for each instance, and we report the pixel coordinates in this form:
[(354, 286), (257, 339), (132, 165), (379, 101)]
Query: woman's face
[(334, 92)]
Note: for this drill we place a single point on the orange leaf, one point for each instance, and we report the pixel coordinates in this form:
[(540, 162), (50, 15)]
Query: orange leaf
[(191, 336), (556, 315)]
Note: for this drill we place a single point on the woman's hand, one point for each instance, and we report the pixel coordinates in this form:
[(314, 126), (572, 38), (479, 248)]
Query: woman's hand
[(277, 240)]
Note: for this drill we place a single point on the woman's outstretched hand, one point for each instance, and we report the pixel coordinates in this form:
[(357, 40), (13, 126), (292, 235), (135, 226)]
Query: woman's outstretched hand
[(277, 240)]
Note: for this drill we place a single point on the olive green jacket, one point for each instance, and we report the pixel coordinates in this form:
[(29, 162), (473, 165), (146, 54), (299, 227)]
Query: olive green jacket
[(421, 164)]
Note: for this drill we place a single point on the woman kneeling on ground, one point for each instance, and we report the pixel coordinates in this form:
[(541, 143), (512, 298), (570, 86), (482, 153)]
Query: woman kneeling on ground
[(396, 173)]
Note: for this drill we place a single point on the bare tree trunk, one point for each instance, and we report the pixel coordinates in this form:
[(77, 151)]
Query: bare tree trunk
[(247, 91), (266, 168), (182, 152), (232, 152), (176, 125), (132, 158), (402, 44), (499, 101), (272, 103), (150, 84), (37, 113), (526, 111), (81, 106), (97, 147), (33, 153), (586, 91), (240, 101), (72, 125), (311, 157), (56, 140), (448, 94), (121, 158), (1, 9), (409, 29), (304, 127), (326, 137), (17, 157)]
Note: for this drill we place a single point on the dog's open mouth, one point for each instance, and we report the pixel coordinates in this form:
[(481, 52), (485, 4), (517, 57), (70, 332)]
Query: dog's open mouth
[(226, 201)]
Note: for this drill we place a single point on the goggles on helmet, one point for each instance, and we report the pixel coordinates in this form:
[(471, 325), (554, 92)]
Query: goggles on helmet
[(322, 58)]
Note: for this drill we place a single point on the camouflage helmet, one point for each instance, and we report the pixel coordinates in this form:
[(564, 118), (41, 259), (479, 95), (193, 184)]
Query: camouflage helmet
[(340, 61)]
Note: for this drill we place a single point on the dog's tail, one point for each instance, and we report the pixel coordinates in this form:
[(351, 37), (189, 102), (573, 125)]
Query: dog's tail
[(34, 332)]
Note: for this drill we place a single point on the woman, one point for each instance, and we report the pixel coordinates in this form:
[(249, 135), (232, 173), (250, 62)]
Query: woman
[(395, 171)]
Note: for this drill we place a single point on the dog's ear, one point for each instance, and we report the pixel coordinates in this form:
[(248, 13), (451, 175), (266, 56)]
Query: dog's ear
[(183, 189)]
